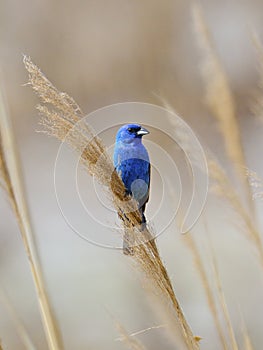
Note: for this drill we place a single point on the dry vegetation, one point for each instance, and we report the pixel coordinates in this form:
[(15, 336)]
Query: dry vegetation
[(12, 183), (220, 100), (63, 119), (58, 121), (225, 191), (256, 184), (130, 341), (19, 326)]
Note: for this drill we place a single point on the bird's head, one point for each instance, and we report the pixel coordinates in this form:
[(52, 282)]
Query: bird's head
[(131, 133)]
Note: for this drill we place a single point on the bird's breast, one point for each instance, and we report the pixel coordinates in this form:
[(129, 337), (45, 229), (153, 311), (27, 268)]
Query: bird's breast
[(125, 152)]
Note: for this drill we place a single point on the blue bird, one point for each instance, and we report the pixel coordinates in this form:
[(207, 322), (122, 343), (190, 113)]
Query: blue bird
[(131, 161)]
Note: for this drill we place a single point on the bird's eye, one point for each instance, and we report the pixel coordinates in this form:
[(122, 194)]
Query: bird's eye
[(133, 130)]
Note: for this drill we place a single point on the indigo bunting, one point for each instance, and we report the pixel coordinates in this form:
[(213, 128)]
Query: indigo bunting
[(131, 161)]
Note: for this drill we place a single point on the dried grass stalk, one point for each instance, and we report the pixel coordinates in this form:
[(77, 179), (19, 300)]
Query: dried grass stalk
[(247, 341), (13, 184), (225, 190), (207, 288), (20, 328), (58, 120), (257, 105), (130, 341), (220, 100), (142, 331), (149, 260), (223, 304), (5, 182)]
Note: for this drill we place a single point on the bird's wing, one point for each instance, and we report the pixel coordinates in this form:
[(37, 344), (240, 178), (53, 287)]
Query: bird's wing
[(149, 171)]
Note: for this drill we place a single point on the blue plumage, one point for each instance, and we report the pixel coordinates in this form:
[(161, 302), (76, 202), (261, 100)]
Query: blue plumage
[(132, 163)]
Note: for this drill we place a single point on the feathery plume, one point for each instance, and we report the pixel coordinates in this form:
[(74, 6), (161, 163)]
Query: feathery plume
[(62, 119), (220, 99), (256, 184), (224, 189)]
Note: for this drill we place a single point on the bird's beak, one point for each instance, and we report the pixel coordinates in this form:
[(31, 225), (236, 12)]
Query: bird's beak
[(142, 132)]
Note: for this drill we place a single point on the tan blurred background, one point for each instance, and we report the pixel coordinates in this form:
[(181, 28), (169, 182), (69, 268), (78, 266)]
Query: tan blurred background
[(104, 52)]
